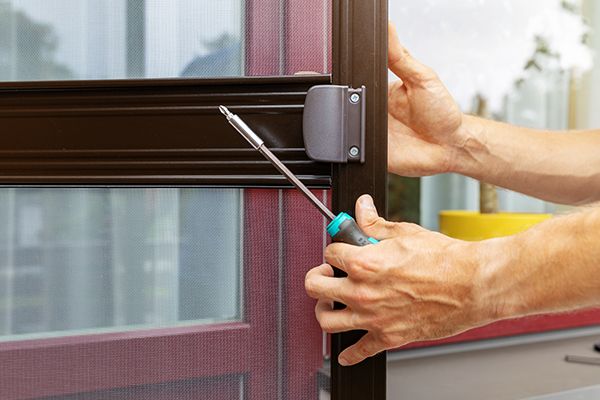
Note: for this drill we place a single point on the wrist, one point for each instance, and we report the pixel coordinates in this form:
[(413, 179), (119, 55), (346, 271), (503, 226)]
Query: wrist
[(469, 147), (497, 290)]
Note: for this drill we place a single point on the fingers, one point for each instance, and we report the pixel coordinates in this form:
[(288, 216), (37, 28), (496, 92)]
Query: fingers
[(320, 284), (334, 321), (403, 64), (366, 347), (341, 256), (369, 220), (377, 227)]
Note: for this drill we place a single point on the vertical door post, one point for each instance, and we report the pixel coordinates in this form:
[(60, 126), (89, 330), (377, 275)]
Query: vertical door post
[(360, 58)]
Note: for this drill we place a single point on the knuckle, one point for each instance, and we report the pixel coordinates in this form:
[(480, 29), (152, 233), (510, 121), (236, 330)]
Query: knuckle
[(334, 257), (362, 296), (327, 270), (377, 325), (327, 323), (405, 54), (372, 262), (310, 274), (321, 319), (328, 253), (369, 262), (407, 227), (319, 309), (345, 265), (376, 222), (310, 286), (426, 74), (356, 321), (327, 327)]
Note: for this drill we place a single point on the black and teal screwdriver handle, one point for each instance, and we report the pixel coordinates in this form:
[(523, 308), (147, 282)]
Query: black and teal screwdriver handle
[(344, 229)]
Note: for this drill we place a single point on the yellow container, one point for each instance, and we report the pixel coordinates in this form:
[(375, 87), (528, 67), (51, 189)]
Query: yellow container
[(473, 226)]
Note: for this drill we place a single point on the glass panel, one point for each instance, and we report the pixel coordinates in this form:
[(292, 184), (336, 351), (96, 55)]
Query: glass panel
[(88, 259), (73, 260), (120, 39)]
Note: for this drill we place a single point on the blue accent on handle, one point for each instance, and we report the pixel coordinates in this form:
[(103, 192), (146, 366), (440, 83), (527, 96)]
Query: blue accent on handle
[(334, 226)]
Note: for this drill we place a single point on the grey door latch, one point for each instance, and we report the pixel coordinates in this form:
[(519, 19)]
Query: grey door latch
[(334, 124)]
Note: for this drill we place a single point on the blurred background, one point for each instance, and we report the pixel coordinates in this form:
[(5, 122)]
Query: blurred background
[(532, 62)]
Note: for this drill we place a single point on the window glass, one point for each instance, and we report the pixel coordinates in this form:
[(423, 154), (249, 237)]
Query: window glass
[(88, 260), (120, 39), (83, 261)]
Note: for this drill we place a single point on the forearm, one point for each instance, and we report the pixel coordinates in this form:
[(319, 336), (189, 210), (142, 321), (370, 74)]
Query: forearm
[(562, 168), (554, 266)]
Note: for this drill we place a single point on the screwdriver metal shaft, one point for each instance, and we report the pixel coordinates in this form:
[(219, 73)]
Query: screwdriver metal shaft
[(256, 142)]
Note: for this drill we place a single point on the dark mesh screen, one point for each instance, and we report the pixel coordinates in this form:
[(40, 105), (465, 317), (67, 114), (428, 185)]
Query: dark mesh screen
[(158, 294), (120, 39)]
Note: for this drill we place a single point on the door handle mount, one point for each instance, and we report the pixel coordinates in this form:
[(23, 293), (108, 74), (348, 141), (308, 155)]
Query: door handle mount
[(334, 124)]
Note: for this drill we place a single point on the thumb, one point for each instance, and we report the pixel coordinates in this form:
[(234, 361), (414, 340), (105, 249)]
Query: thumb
[(402, 63), (370, 222), (377, 227), (366, 347)]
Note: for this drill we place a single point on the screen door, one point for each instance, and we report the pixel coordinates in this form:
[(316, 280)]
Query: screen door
[(146, 251)]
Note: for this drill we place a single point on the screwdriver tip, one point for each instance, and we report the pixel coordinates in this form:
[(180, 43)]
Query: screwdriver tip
[(225, 111)]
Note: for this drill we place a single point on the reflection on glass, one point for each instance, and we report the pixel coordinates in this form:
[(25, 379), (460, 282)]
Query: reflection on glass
[(120, 39), (77, 259)]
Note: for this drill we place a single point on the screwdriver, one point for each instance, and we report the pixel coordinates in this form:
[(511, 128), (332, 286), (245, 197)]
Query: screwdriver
[(342, 228)]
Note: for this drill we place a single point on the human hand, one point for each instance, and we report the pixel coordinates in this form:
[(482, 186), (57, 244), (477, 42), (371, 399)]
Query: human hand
[(425, 135), (414, 285)]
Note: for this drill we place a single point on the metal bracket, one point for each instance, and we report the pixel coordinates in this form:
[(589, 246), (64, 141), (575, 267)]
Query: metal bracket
[(334, 124)]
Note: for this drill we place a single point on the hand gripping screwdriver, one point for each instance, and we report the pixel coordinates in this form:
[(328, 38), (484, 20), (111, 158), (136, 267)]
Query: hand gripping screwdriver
[(342, 228)]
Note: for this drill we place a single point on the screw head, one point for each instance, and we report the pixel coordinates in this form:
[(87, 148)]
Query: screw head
[(354, 151), (355, 98)]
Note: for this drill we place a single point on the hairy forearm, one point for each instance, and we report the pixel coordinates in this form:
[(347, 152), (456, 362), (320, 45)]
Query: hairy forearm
[(558, 167), (553, 267)]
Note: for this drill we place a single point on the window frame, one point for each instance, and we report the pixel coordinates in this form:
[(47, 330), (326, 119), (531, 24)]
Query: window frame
[(29, 156), (170, 155)]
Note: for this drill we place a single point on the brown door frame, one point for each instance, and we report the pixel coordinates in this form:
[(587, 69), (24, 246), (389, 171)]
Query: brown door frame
[(360, 58), (152, 132)]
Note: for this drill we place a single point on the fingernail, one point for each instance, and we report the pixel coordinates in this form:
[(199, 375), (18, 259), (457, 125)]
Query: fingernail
[(367, 202)]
